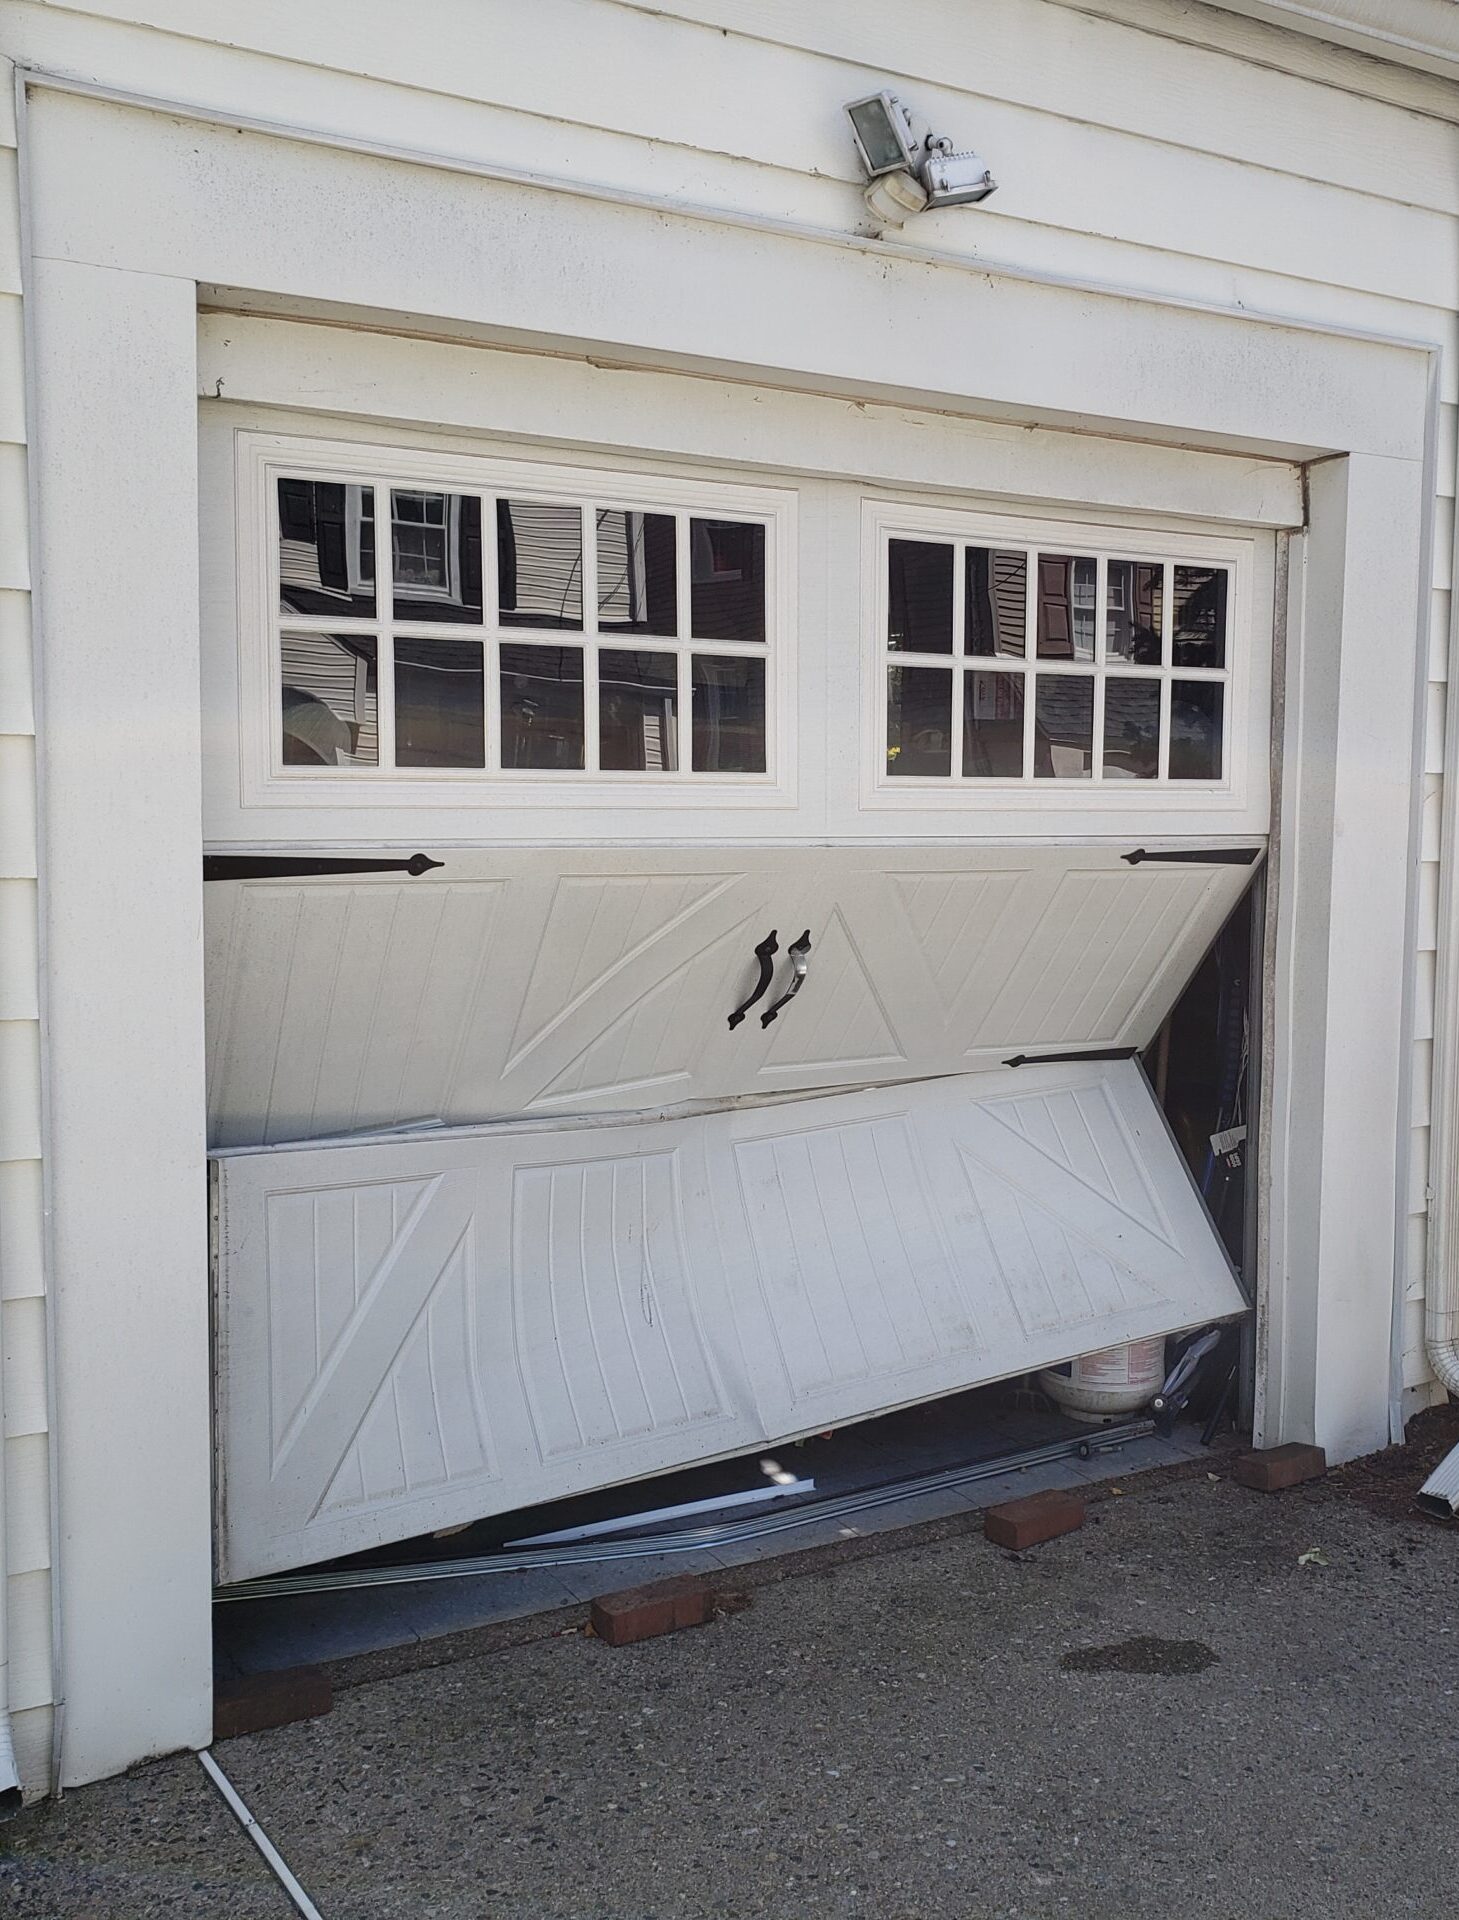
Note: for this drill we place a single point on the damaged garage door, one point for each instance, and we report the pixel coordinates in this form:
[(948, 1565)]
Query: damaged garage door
[(419, 1331)]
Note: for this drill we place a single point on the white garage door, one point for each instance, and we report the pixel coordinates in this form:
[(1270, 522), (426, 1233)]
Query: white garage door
[(515, 982), (415, 1333), (763, 830)]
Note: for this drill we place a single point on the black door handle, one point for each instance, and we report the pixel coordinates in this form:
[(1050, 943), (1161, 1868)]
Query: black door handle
[(765, 953), (798, 953)]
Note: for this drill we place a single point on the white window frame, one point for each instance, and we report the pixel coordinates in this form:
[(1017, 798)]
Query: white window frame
[(262, 459), (1102, 803)]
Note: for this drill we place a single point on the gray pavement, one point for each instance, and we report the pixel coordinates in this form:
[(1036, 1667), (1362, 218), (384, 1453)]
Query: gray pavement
[(1168, 1713)]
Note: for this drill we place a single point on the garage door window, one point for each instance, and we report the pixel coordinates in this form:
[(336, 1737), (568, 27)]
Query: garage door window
[(456, 629), (1040, 663)]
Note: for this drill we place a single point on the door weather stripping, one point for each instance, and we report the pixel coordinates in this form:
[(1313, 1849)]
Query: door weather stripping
[(1079, 1053), (765, 953), (689, 1539), (1195, 856), (268, 866), (278, 1866), (798, 953)]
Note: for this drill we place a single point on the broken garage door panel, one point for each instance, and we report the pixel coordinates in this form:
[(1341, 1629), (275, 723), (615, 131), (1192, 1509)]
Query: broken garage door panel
[(415, 1333)]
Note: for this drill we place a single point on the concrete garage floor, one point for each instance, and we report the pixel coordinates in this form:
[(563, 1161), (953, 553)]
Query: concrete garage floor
[(908, 1727)]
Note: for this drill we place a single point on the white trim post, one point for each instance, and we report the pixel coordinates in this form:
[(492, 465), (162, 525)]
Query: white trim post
[(122, 902), (1344, 851)]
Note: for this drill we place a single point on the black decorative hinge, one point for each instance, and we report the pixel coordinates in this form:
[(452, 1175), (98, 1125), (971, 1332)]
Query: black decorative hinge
[(268, 866), (1195, 856), (1086, 1053)]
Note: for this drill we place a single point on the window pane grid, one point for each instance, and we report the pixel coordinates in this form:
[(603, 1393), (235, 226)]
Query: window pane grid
[(586, 576), (1096, 616)]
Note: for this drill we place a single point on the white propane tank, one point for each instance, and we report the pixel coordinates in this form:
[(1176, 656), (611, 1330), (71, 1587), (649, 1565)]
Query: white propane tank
[(1117, 1380)]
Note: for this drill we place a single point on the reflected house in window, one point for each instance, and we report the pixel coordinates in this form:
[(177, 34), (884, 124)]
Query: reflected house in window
[(1133, 612), (330, 700), (326, 548)]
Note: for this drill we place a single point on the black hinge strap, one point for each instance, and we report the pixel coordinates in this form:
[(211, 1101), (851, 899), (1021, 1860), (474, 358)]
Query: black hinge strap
[(1195, 856), (267, 866), (1087, 1053)]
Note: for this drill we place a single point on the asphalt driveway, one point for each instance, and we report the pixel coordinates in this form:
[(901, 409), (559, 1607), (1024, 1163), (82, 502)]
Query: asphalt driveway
[(1180, 1710)]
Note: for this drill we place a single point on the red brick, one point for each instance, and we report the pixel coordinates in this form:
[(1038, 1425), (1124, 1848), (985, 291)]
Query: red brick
[(1272, 1469), (1041, 1516), (642, 1613), (265, 1700)]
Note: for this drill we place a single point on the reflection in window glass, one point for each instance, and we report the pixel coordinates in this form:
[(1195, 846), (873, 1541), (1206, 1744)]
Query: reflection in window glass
[(435, 555), (997, 591), (1063, 735), (326, 548), (330, 710), (1066, 607), (637, 581), (539, 556), (919, 720), (729, 714), (1195, 729), (1200, 617), (727, 580), (638, 720), (993, 726), (440, 688), (542, 707), (919, 600), (1134, 610), (1131, 729)]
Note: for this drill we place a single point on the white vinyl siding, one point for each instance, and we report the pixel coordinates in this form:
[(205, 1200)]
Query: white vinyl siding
[(22, 1268)]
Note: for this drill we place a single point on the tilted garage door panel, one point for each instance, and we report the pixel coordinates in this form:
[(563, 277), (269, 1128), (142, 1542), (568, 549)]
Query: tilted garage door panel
[(415, 1333), (532, 982)]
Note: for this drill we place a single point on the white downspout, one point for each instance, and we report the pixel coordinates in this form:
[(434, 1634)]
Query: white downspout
[(1441, 1281)]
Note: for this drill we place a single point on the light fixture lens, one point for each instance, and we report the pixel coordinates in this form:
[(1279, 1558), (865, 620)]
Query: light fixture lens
[(882, 135)]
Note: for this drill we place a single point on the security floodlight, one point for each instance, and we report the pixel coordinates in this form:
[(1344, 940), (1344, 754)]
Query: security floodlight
[(885, 137), (907, 168), (955, 179)]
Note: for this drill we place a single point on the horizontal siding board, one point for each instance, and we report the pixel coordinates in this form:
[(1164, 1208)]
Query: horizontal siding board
[(1421, 1091), (1423, 1028), (33, 1730), (23, 1338), (20, 1081), (10, 275), (27, 1503), (19, 951), (17, 701), (1434, 727), (12, 369), (1440, 614), (17, 807), (29, 1633), (1418, 1195), (1415, 1246), (1055, 171), (22, 1230), (1427, 933), (14, 518), (773, 68), (1432, 801)]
